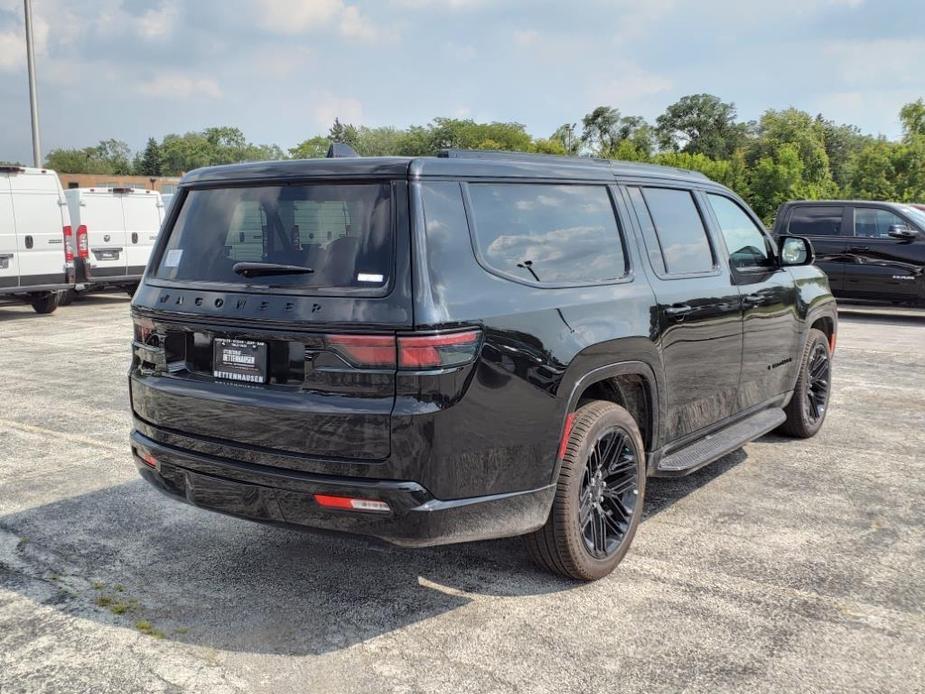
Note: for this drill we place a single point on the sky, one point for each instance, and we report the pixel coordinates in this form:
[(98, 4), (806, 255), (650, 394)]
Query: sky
[(281, 70)]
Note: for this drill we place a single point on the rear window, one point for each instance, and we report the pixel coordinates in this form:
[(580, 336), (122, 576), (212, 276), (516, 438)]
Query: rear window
[(342, 232), (816, 221), (548, 234)]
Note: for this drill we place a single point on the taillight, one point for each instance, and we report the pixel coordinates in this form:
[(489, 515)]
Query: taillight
[(68, 251), (369, 351), (83, 248), (406, 352), (437, 351)]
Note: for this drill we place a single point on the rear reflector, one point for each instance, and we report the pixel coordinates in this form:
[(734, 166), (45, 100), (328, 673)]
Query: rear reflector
[(346, 503), (148, 459), (832, 344), (68, 251), (566, 433), (437, 351)]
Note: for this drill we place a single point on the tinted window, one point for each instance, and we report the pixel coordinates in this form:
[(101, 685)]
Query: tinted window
[(681, 235), (653, 248), (548, 233), (747, 244), (343, 232), (815, 221), (875, 223)]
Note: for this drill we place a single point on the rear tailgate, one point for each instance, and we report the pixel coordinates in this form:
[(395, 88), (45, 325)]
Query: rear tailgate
[(295, 365)]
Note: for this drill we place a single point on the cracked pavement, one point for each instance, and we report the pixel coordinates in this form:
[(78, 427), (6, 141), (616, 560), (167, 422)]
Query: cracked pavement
[(785, 566)]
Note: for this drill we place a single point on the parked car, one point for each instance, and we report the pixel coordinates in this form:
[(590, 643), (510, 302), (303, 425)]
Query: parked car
[(114, 232), (471, 346), (35, 261), (869, 250)]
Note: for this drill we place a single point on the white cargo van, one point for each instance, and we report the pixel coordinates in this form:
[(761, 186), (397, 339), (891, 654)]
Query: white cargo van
[(36, 264), (114, 231)]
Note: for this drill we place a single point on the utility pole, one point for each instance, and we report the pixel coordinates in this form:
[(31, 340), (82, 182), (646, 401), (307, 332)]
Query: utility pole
[(33, 97)]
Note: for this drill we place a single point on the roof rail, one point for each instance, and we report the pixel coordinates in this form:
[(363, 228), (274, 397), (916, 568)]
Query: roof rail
[(501, 155), (505, 155), (12, 168)]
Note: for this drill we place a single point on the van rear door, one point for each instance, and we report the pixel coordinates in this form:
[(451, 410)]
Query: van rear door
[(101, 213), (37, 209), (268, 320), (9, 259), (141, 210)]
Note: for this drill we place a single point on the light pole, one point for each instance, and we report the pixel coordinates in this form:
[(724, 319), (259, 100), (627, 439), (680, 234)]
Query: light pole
[(33, 97)]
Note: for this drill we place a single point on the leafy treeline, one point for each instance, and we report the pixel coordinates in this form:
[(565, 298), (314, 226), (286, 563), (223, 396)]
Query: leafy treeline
[(786, 154)]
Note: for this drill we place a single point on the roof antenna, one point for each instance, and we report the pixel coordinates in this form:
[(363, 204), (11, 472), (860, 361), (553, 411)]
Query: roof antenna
[(339, 150)]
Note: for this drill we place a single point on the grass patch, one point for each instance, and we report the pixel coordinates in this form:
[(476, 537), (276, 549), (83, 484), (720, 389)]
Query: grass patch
[(146, 628)]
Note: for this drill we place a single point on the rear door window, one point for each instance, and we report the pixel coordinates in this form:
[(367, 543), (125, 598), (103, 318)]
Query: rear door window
[(548, 234), (820, 220), (670, 218), (343, 233)]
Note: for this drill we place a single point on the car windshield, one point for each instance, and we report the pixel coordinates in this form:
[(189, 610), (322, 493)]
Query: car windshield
[(330, 236)]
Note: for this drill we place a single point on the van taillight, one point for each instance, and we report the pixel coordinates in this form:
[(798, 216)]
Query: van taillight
[(413, 352), (83, 248), (68, 251)]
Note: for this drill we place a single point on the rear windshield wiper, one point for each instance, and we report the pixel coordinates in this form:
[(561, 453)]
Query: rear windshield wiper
[(260, 269)]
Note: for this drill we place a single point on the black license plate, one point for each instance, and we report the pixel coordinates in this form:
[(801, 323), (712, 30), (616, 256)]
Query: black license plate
[(239, 360)]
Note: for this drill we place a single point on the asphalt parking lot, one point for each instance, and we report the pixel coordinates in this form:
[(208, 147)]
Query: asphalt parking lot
[(787, 565)]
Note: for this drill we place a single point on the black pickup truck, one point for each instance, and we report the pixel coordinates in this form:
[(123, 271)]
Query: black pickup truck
[(468, 346)]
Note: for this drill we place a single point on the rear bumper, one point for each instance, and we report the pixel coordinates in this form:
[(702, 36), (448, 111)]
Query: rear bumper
[(262, 493)]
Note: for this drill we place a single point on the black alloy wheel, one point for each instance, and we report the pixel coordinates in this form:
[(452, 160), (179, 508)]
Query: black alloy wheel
[(609, 490)]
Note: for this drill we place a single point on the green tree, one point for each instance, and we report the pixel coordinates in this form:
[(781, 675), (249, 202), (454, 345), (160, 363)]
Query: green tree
[(343, 133), (149, 162), (873, 176), (843, 144), (312, 148), (912, 116), (567, 136), (599, 130), (701, 124)]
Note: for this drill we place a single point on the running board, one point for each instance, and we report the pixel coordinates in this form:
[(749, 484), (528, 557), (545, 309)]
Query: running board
[(718, 444)]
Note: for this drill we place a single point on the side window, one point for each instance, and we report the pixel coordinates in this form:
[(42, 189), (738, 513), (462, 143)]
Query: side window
[(747, 244), (816, 221), (551, 234), (678, 229), (875, 223)]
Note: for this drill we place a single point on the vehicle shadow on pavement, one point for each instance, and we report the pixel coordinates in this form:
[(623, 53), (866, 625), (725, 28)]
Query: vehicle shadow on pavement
[(127, 556), (215, 581), (662, 492)]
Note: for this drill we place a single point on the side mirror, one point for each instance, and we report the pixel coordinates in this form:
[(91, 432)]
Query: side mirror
[(901, 231), (796, 250)]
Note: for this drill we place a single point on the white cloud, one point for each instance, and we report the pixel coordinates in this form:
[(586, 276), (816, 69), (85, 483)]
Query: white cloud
[(526, 37), (629, 82), (12, 49), (440, 4), (178, 85), (329, 106), (157, 23), (294, 17), (859, 61)]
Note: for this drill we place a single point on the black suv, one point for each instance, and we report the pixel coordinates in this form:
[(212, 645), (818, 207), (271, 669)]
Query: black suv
[(870, 250), (468, 346)]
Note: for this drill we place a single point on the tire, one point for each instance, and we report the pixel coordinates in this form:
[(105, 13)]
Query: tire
[(563, 545), (47, 303), (809, 404), (66, 298)]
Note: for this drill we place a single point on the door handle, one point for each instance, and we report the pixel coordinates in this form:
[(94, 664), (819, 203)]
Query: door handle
[(752, 300), (678, 309), (29, 242), (859, 249)]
